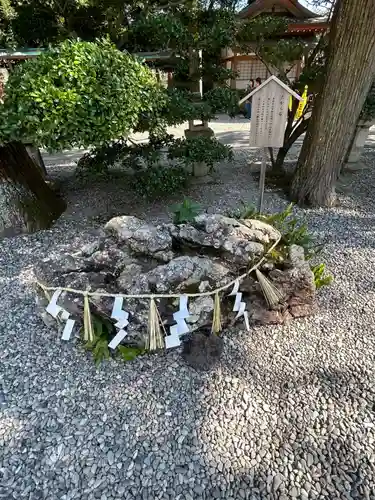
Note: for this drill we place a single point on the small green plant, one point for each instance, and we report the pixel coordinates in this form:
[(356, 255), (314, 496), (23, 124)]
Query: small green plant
[(104, 331), (320, 278), (129, 353), (245, 211), (185, 212), (200, 150), (293, 231), (159, 180)]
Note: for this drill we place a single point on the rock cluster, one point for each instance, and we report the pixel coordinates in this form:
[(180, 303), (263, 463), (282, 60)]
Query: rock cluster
[(134, 257)]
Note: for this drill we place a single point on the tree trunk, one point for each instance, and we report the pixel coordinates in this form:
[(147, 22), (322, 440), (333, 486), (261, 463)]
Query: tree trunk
[(27, 203), (36, 155), (349, 74), (277, 165)]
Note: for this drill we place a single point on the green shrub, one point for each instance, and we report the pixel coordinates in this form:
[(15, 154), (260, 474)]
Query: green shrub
[(79, 94), (200, 149), (159, 180), (223, 100), (97, 161)]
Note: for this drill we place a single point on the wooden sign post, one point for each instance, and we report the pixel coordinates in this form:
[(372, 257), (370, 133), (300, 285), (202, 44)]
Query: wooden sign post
[(269, 112)]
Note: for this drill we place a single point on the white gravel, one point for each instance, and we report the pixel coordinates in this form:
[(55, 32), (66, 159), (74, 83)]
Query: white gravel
[(288, 414)]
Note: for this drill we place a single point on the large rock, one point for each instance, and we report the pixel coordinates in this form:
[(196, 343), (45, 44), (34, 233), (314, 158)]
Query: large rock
[(133, 257), (239, 243), (141, 238)]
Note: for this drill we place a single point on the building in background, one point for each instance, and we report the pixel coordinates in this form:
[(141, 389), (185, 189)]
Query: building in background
[(304, 24)]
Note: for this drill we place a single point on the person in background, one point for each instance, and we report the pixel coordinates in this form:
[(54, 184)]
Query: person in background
[(258, 81), (248, 102)]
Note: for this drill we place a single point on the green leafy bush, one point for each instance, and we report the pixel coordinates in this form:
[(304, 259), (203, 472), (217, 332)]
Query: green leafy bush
[(76, 95), (185, 212), (223, 100), (159, 180), (200, 149), (97, 161)]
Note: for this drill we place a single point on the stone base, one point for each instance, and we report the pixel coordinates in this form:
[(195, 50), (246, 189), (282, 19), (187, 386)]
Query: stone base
[(200, 169), (361, 135)]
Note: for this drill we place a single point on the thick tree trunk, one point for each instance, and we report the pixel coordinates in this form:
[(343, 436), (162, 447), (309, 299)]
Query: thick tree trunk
[(349, 74), (27, 203)]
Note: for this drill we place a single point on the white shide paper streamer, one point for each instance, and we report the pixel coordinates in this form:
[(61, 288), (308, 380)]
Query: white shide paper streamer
[(240, 306), (180, 328), (122, 318), (58, 312)]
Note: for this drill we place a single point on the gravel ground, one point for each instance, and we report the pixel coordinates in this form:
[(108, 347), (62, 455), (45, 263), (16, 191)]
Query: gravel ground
[(289, 413)]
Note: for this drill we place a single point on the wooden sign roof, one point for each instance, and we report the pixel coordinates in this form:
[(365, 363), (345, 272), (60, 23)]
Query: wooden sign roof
[(265, 83)]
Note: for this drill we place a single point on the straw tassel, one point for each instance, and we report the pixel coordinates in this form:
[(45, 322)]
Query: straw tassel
[(272, 295), (155, 338), (87, 321), (216, 320)]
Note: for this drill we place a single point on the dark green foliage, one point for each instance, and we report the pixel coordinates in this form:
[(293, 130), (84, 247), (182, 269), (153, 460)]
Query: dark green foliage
[(320, 278), (104, 331), (223, 100), (158, 32), (151, 180), (158, 180), (200, 149), (96, 162), (185, 212), (77, 95)]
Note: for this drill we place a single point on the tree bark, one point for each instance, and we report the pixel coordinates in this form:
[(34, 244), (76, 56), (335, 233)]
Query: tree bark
[(289, 140), (27, 203), (349, 74), (36, 155)]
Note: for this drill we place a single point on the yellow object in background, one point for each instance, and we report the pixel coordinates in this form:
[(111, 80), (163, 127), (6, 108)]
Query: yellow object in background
[(301, 105)]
